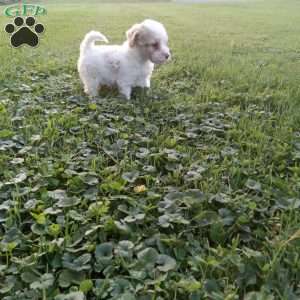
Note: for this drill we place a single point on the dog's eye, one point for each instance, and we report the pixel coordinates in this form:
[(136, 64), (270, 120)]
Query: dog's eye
[(155, 45)]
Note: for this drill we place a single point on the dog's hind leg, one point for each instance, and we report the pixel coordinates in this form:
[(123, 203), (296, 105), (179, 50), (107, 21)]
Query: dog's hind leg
[(125, 90)]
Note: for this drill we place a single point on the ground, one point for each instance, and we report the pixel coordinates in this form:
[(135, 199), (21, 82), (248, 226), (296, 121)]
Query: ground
[(188, 192)]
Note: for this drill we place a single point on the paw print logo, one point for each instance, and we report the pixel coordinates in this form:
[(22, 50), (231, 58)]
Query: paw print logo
[(24, 32)]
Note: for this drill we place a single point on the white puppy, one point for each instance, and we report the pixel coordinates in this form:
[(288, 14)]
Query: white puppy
[(126, 66)]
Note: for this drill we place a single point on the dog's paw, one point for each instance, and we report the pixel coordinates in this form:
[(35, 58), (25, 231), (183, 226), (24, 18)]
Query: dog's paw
[(24, 33), (95, 99)]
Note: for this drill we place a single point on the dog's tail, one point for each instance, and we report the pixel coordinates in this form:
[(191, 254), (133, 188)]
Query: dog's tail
[(90, 39)]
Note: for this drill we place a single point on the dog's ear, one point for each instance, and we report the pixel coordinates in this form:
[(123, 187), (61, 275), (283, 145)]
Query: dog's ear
[(132, 34)]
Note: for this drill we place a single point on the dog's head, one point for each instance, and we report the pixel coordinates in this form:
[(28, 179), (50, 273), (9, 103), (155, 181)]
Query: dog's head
[(152, 39)]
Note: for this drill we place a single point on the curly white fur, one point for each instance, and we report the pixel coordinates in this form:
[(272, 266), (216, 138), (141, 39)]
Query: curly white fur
[(126, 66)]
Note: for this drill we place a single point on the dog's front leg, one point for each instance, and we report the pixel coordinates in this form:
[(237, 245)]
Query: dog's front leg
[(125, 90), (144, 83)]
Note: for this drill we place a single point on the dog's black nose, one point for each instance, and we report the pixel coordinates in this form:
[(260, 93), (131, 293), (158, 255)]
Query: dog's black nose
[(167, 55)]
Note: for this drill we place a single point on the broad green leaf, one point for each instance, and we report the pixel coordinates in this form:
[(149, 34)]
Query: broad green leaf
[(71, 296), (29, 277), (148, 255), (130, 176), (125, 249), (253, 185), (68, 277), (104, 252), (19, 178), (127, 296), (58, 194), (44, 282), (165, 263), (78, 264)]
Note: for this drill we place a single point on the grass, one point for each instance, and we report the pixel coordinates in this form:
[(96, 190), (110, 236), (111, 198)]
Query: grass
[(189, 192)]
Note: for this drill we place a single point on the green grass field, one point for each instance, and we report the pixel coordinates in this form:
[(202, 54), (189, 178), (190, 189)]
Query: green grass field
[(191, 191)]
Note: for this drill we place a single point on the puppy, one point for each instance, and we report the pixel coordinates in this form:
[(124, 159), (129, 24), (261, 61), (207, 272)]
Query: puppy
[(126, 66)]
